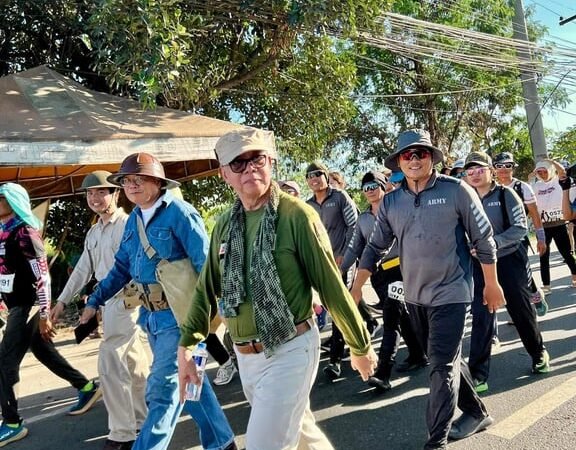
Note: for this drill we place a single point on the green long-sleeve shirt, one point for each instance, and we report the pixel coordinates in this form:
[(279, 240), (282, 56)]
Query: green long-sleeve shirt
[(304, 260)]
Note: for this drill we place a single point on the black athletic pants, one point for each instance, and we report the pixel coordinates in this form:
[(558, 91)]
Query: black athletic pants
[(560, 236), (396, 323), (440, 330), (22, 334), (512, 276)]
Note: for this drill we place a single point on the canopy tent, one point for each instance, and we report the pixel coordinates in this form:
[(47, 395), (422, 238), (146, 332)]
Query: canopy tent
[(53, 131)]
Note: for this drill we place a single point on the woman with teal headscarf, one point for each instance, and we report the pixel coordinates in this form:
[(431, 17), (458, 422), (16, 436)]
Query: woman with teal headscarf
[(19, 202)]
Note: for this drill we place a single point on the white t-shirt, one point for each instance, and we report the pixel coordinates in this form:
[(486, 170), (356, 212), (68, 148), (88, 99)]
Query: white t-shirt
[(549, 201), (149, 212)]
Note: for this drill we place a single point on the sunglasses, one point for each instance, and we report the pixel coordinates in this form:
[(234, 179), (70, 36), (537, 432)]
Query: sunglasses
[(314, 174), (368, 187), (238, 165), (476, 171), (460, 175), (420, 153), (507, 165), (136, 180)]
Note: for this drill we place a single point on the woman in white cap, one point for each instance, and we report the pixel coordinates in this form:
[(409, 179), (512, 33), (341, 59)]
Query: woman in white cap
[(549, 200)]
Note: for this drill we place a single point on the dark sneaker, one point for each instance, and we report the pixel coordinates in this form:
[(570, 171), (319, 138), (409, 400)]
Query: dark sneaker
[(86, 400), (381, 384), (466, 426), (332, 371), (543, 364), (115, 445), (9, 434), (410, 366), (480, 386), (538, 298)]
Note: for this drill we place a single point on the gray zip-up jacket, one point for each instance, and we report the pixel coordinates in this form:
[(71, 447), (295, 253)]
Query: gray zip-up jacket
[(360, 238), (508, 236), (433, 229), (339, 215)]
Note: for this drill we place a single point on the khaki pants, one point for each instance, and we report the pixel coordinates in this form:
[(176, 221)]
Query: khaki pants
[(123, 367), (278, 390)]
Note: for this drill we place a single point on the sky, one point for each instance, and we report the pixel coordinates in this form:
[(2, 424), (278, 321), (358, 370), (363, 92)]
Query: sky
[(548, 12)]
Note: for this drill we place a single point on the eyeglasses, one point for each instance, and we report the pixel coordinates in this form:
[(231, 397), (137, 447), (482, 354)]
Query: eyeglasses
[(314, 174), (239, 165), (370, 186), (420, 153), (476, 171), (136, 180), (460, 175), (507, 165)]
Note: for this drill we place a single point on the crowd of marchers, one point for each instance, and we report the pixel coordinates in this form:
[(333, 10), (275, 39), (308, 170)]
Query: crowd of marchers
[(436, 244)]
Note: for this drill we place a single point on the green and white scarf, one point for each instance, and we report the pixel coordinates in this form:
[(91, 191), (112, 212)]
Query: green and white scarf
[(273, 318)]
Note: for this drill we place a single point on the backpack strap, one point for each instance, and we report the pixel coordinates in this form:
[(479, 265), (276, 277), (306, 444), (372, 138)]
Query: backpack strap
[(503, 209), (148, 249)]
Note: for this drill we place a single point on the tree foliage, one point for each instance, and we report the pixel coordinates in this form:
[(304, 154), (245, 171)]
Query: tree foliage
[(463, 108), (296, 67), (267, 64)]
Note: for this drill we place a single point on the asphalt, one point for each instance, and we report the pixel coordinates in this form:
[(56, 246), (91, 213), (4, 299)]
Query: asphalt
[(531, 412)]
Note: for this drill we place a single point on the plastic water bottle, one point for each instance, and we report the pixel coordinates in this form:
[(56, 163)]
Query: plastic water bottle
[(200, 356)]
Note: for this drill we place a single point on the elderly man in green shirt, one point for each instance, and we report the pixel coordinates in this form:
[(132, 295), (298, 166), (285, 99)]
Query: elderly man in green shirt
[(266, 254)]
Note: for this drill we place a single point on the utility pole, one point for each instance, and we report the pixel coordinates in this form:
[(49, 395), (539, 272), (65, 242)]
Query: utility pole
[(529, 88)]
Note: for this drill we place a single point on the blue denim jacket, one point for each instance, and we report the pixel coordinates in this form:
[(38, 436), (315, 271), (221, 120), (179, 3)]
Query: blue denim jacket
[(176, 231)]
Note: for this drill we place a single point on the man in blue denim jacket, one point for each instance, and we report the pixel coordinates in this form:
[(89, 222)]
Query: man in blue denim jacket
[(176, 231)]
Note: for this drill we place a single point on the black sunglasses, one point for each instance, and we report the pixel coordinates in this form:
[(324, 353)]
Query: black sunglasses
[(238, 165), (314, 174)]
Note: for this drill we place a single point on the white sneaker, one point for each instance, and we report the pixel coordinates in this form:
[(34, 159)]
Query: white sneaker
[(546, 289), (225, 373)]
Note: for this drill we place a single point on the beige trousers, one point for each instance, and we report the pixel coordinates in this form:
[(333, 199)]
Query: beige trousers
[(123, 367), (278, 390)]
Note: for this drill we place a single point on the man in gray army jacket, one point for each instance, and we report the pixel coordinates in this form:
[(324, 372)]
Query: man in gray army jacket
[(433, 217)]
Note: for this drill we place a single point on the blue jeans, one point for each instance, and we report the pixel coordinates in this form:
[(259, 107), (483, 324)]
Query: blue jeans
[(162, 393)]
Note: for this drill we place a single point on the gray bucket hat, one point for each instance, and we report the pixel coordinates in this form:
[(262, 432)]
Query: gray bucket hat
[(410, 139)]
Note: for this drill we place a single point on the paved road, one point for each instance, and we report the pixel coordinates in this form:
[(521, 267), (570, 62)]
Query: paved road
[(532, 412)]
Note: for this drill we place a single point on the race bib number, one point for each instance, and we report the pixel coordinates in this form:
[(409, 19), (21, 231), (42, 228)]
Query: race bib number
[(396, 291), (7, 283)]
